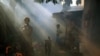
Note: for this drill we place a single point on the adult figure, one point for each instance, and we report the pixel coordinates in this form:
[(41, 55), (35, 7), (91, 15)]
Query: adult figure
[(27, 33), (58, 33), (48, 47)]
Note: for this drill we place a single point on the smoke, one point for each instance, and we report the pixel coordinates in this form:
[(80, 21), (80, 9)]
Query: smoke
[(43, 23)]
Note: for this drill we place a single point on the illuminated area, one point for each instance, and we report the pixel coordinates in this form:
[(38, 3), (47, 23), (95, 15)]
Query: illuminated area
[(40, 17), (74, 3), (62, 2), (30, 28), (82, 4), (37, 25)]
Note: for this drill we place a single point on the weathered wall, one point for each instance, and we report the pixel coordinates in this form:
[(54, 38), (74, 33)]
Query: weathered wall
[(90, 40)]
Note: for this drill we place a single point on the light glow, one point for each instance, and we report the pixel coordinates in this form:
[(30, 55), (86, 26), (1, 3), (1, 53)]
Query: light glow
[(73, 3), (62, 2)]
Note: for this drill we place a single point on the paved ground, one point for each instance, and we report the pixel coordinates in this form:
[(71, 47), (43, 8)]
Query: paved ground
[(55, 51)]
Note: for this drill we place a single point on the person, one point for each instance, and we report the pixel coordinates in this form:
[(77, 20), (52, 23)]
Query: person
[(58, 33), (27, 33), (27, 30), (48, 47)]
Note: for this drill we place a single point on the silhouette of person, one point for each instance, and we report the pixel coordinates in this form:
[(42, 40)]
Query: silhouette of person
[(48, 47), (27, 30), (27, 33), (58, 33)]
